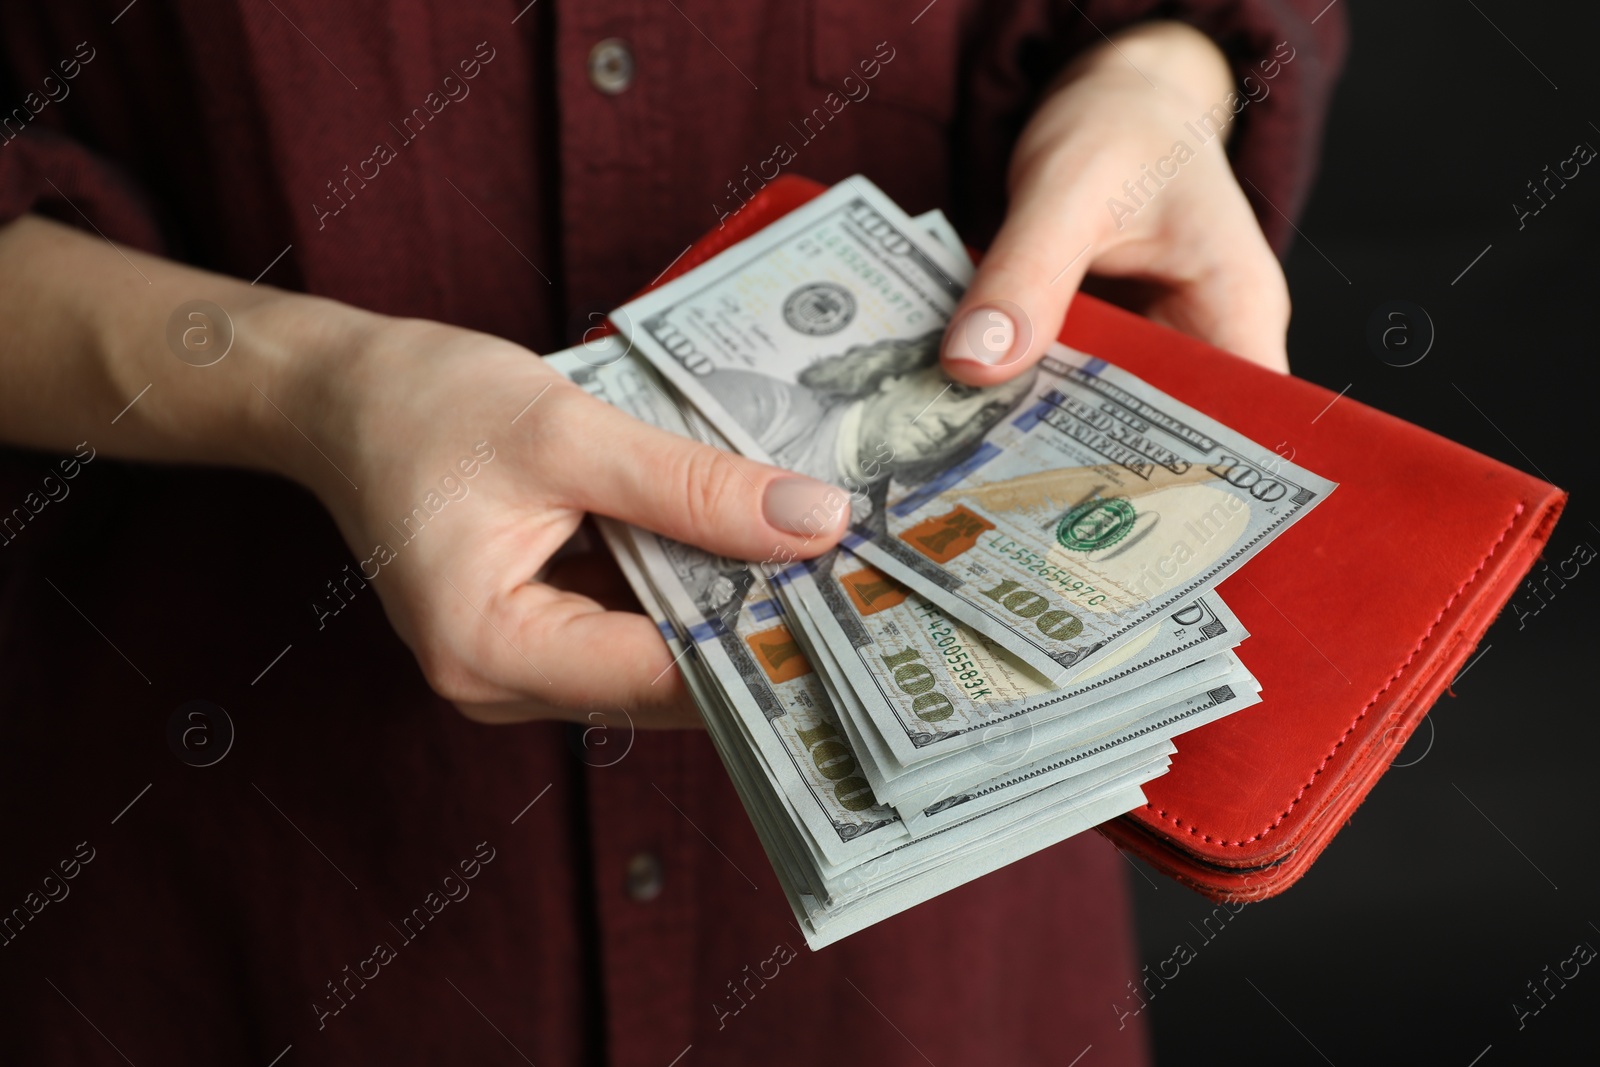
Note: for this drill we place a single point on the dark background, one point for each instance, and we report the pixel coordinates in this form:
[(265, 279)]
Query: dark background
[(1411, 937)]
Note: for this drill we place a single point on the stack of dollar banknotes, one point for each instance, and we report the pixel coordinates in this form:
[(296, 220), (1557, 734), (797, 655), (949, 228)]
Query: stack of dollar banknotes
[(1022, 618)]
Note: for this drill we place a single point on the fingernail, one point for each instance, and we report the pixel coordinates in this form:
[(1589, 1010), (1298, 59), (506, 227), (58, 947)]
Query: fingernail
[(800, 505), (986, 335)]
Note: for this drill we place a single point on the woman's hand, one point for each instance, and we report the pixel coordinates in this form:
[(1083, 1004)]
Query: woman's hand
[(455, 463), (475, 462), (1184, 249)]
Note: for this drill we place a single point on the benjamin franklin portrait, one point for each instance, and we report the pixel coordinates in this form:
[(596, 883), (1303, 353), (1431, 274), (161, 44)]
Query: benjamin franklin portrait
[(875, 411)]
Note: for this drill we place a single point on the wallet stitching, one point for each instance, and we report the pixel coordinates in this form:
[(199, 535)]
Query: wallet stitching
[(1195, 831)]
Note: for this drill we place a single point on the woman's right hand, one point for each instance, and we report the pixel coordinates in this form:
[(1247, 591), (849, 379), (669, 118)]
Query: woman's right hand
[(453, 493)]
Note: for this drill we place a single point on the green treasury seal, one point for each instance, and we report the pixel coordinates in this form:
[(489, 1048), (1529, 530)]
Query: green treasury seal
[(1096, 524)]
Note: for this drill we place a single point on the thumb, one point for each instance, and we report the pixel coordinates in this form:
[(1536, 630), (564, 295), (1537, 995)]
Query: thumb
[(692, 492), (1015, 305)]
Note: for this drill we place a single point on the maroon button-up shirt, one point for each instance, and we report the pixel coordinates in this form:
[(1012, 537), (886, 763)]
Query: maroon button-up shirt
[(363, 876)]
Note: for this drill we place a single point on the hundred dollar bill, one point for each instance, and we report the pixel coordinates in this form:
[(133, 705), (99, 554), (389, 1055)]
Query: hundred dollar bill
[(910, 788), (1056, 514), (1137, 743), (986, 780), (848, 271), (1095, 506), (932, 686), (1151, 726)]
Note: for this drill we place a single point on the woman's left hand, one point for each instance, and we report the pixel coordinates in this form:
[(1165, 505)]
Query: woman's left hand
[(1185, 249)]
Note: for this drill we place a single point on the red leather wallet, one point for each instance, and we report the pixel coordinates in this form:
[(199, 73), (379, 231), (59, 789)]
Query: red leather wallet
[(1360, 616)]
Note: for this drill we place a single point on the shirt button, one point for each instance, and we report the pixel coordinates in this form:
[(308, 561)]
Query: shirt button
[(611, 66), (644, 877)]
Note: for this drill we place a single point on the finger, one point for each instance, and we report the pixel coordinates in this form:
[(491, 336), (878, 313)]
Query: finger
[(1015, 305), (1250, 311), (610, 463), (540, 653), (1240, 305)]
